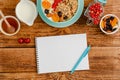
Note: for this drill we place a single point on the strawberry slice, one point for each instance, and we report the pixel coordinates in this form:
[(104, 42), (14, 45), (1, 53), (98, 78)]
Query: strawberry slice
[(55, 4)]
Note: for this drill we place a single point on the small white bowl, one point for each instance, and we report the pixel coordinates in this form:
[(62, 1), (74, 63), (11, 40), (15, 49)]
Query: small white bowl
[(9, 34), (113, 31)]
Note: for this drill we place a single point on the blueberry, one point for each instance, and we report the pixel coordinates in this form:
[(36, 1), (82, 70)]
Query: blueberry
[(110, 28), (65, 17), (111, 18), (108, 24), (46, 11), (108, 20), (59, 13), (107, 27)]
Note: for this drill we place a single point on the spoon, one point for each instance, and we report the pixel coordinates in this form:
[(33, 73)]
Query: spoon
[(10, 28)]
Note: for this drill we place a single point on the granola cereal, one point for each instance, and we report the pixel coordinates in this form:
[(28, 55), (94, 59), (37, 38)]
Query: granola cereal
[(62, 9)]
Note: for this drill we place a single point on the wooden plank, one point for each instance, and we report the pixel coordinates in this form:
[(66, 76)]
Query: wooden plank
[(82, 75), (112, 7), (94, 36), (23, 59), (17, 59), (18, 62), (42, 29)]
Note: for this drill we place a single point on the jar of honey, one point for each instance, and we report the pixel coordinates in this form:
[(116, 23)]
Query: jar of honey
[(13, 22)]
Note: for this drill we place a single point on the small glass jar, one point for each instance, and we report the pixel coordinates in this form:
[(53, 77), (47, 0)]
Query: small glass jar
[(94, 12)]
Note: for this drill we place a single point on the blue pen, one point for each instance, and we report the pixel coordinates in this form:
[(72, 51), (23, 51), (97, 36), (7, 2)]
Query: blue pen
[(80, 59)]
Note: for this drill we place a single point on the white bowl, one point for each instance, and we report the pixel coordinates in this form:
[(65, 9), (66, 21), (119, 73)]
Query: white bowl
[(113, 31)]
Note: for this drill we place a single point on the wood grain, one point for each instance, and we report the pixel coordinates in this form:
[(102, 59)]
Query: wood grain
[(18, 61), (41, 29), (16, 64), (83, 75)]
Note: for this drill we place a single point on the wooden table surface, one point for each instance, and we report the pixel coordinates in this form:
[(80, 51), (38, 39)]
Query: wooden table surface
[(18, 61)]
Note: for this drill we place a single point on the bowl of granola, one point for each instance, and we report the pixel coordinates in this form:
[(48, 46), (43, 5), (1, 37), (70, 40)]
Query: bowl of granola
[(60, 13)]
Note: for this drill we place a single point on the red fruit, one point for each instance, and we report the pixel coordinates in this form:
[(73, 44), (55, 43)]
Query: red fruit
[(96, 21), (93, 5), (98, 12), (21, 40), (27, 40), (98, 4), (98, 7), (95, 10), (91, 8), (91, 12), (101, 10), (55, 4), (91, 15)]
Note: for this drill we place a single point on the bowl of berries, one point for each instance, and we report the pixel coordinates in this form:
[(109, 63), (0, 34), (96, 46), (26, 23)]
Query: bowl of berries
[(109, 24), (60, 13)]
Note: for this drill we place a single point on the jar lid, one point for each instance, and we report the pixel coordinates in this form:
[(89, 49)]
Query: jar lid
[(103, 1)]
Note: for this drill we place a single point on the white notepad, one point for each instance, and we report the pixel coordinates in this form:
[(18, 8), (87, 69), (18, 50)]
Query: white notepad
[(60, 53)]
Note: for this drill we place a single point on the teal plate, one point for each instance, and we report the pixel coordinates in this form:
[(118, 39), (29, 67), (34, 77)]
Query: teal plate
[(61, 24)]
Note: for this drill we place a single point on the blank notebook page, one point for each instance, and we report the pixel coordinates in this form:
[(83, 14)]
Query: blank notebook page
[(60, 53)]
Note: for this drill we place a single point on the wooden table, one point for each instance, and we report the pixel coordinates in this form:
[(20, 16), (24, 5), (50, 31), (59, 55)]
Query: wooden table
[(18, 61)]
